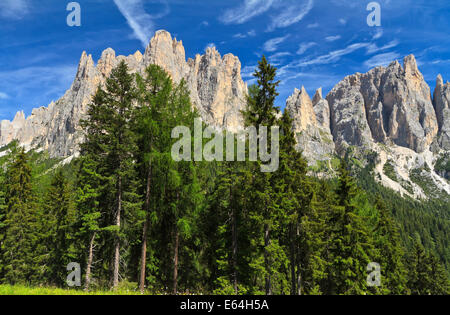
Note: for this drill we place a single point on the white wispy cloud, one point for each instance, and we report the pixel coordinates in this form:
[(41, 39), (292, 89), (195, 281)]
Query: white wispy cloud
[(251, 33), (332, 56), (277, 58), (313, 25), (291, 14), (378, 33), (343, 21), (285, 14), (248, 10), (14, 9), (332, 38), (382, 59), (138, 19), (3, 96), (304, 47), (272, 44), (373, 48), (247, 71)]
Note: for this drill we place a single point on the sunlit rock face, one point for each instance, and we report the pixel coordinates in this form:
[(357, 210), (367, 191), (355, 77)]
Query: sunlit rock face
[(392, 103), (442, 107), (311, 124)]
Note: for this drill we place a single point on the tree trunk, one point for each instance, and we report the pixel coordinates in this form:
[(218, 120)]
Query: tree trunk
[(144, 232), (266, 260), (89, 262), (117, 241), (299, 274), (143, 257), (175, 261), (293, 261), (235, 249)]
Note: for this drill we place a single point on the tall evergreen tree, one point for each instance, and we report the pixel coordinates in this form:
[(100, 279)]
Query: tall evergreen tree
[(390, 251), (22, 239), (88, 219), (3, 212), (261, 111), (110, 136), (350, 247), (426, 274), (59, 219), (155, 91)]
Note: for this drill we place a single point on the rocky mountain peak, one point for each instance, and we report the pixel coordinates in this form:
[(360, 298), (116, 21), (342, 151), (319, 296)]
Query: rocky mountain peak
[(384, 104), (301, 108), (317, 97), (441, 102), (439, 81), (311, 124), (167, 53), (138, 56), (410, 66)]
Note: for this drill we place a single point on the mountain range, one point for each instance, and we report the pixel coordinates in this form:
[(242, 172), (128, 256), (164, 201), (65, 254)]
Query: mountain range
[(386, 116)]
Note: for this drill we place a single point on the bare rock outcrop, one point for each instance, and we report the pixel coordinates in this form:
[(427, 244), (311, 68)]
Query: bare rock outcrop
[(311, 125), (385, 104), (442, 106)]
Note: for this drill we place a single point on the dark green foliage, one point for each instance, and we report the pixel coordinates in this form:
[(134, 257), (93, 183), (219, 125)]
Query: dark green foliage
[(57, 221), (426, 275), (21, 247), (350, 247), (390, 252)]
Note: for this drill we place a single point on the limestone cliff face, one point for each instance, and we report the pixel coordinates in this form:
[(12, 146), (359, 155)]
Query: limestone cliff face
[(311, 124), (392, 103), (442, 107), (215, 83)]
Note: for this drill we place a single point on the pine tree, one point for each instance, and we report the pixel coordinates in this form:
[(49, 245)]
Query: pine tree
[(226, 206), (3, 212), (440, 284), (87, 222), (426, 274), (59, 218), (154, 96), (390, 253), (350, 247), (170, 189), (110, 136), (261, 111), (22, 238), (419, 281)]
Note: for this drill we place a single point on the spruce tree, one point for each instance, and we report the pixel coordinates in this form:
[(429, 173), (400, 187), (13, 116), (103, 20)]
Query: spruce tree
[(59, 218), (351, 246), (19, 248), (3, 211), (155, 91), (88, 218), (420, 280), (110, 136), (390, 251), (226, 207), (261, 111), (426, 274)]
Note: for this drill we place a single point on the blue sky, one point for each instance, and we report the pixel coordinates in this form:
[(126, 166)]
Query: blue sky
[(314, 43)]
